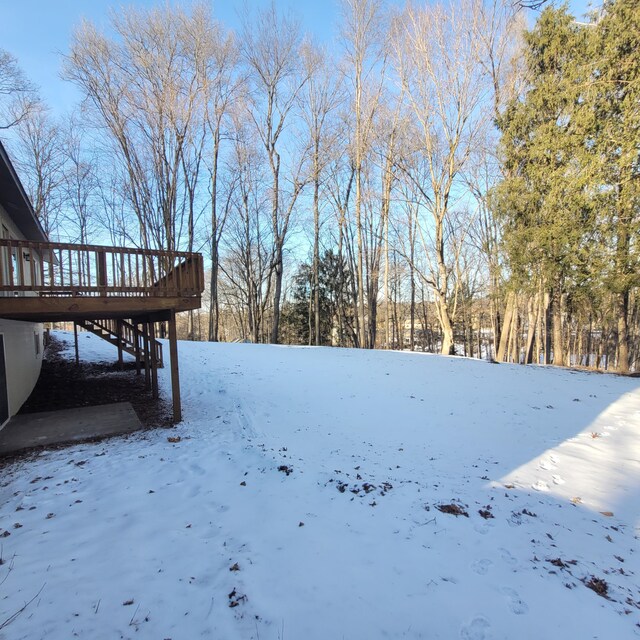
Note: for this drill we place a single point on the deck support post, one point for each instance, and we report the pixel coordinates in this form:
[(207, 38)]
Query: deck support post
[(136, 342), (175, 375), (147, 356), (75, 341), (119, 331), (154, 360)]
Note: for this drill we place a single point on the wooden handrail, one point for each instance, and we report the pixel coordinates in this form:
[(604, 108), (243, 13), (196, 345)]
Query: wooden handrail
[(94, 270)]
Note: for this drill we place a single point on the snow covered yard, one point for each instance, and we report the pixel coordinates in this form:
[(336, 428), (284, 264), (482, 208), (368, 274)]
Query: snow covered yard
[(313, 495)]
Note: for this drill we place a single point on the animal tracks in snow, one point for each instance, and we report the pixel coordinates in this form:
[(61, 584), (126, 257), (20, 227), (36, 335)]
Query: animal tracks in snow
[(548, 463), (540, 485), (477, 629), (482, 566), (508, 557), (515, 602)]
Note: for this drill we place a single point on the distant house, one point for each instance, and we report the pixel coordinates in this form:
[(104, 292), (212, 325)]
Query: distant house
[(117, 293), (20, 341)]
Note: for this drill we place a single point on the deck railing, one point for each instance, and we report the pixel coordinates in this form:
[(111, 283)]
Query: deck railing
[(59, 269)]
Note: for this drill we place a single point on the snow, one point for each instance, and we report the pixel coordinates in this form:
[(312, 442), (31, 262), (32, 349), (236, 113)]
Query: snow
[(552, 455)]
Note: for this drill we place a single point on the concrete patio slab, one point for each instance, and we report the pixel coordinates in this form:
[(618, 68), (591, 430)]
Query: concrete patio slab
[(25, 431)]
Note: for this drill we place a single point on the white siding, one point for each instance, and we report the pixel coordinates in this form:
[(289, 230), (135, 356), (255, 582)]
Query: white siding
[(22, 362), (8, 229), (14, 232)]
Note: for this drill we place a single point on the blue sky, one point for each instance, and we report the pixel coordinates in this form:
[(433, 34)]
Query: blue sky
[(38, 31)]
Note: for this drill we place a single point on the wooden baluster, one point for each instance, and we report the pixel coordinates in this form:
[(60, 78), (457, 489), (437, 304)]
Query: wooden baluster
[(3, 275), (89, 285), (11, 276), (20, 265), (51, 268), (61, 268), (101, 267), (178, 277), (70, 268), (32, 266), (147, 284), (42, 269)]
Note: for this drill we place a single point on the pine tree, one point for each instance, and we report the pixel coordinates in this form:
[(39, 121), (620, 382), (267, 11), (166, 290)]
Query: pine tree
[(615, 137), (545, 202)]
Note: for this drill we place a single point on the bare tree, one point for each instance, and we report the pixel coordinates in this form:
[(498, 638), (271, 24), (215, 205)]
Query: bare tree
[(438, 66), (363, 37), (80, 186), (145, 89), (40, 160), (271, 49), (247, 257), (497, 31), (320, 99), (17, 93), (338, 190), (223, 86)]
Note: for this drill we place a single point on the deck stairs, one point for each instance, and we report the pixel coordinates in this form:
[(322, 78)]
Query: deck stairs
[(124, 333)]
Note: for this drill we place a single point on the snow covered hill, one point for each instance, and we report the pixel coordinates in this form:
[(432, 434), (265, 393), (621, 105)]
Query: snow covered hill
[(325, 493)]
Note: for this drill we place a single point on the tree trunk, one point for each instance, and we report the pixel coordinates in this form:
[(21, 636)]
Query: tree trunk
[(547, 328), (556, 312), (214, 309), (362, 329), (533, 310), (412, 309), (448, 347), (316, 243), (622, 311), (277, 294), (386, 282), (506, 327)]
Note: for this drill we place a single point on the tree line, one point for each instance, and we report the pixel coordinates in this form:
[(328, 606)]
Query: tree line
[(438, 178)]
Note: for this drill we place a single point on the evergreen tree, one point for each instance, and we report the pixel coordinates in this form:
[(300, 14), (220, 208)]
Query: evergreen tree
[(334, 297), (546, 199), (615, 145)]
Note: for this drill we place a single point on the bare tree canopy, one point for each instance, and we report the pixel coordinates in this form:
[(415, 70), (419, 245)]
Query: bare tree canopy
[(433, 179), (17, 93)]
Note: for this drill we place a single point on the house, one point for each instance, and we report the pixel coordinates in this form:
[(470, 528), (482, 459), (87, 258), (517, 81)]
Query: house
[(20, 341), (118, 293)]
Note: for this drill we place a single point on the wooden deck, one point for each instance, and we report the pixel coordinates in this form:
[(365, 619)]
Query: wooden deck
[(51, 282), (58, 309)]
